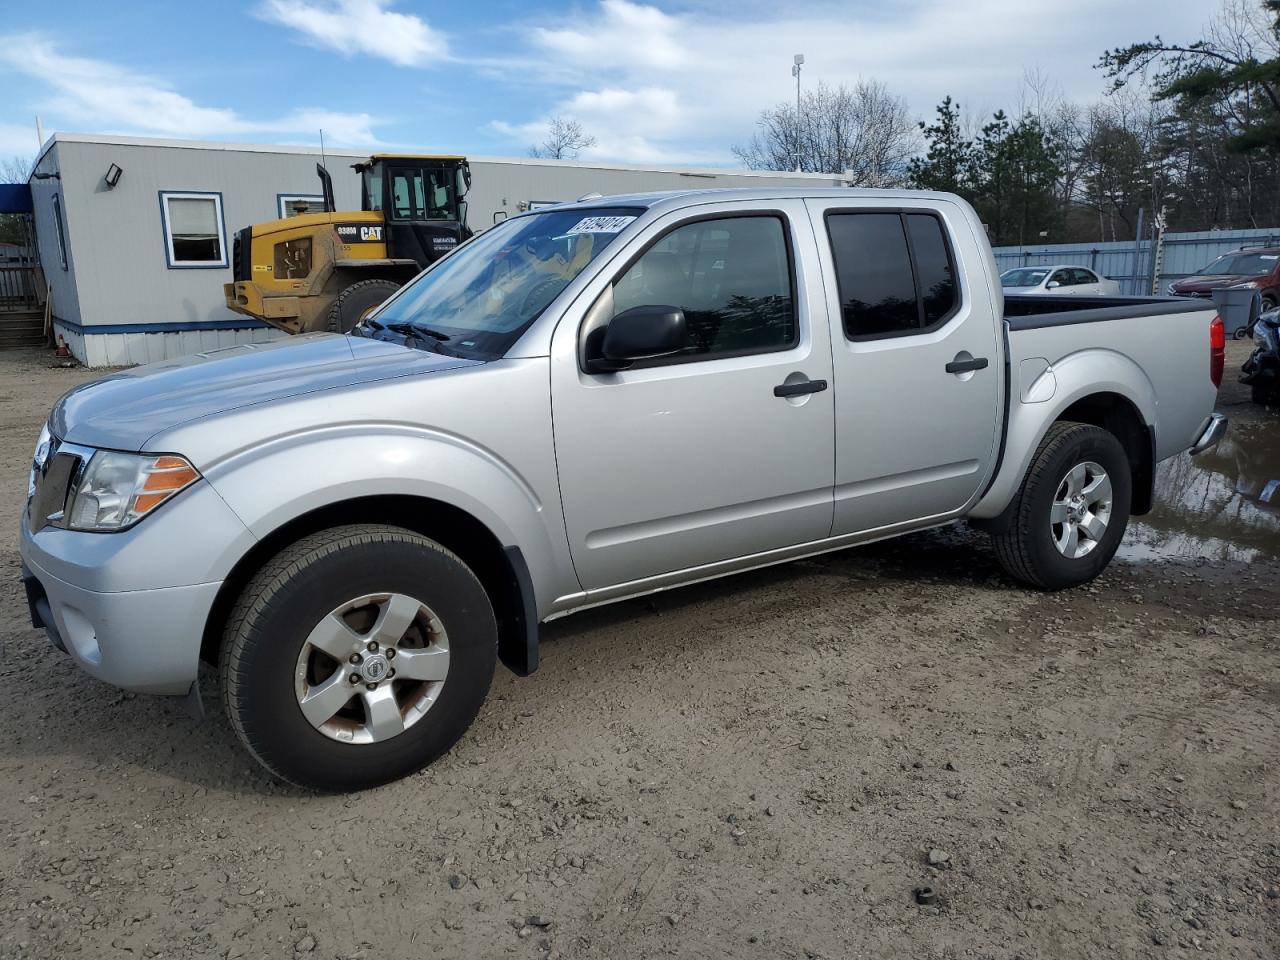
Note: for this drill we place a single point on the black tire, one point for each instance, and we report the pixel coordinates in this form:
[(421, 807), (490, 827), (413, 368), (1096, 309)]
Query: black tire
[(1026, 549), (352, 303), (1268, 303), (298, 588)]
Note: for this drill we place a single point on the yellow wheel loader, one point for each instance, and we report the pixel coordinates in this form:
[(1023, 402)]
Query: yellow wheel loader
[(324, 271)]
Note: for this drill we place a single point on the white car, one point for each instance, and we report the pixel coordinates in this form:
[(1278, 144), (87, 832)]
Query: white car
[(1060, 281)]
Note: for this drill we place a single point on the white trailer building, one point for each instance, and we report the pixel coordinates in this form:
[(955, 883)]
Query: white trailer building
[(134, 234)]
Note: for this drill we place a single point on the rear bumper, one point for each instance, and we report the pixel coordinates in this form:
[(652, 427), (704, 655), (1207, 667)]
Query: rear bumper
[(1213, 430), (141, 640)]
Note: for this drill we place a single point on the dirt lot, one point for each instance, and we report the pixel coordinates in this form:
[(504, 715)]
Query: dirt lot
[(761, 767)]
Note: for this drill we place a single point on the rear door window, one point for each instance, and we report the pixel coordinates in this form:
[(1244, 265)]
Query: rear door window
[(894, 271)]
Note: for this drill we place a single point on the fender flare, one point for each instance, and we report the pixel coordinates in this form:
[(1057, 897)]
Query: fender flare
[(332, 466), (1077, 376)]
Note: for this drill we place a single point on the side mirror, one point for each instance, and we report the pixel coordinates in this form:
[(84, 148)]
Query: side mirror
[(1052, 285), (640, 333)]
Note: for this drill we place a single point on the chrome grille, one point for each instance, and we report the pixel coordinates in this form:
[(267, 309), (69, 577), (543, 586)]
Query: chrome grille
[(53, 480)]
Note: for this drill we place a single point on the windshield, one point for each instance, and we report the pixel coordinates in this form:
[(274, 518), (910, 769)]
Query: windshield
[(479, 300), (1023, 277), (1242, 265)]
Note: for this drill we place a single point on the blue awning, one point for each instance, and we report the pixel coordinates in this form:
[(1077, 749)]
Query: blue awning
[(15, 198)]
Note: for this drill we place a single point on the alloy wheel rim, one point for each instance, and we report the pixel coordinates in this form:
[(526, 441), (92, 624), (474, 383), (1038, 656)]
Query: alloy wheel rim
[(1081, 510), (372, 668)]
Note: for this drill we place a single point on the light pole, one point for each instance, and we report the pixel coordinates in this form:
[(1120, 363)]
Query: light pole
[(796, 63)]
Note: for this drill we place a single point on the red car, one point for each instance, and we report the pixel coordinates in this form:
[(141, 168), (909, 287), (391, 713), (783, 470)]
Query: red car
[(1254, 268)]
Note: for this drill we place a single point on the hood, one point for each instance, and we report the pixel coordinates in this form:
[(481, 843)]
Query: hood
[(1201, 284), (125, 410)]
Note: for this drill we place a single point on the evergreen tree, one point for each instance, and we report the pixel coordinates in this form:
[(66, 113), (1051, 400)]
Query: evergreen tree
[(947, 163)]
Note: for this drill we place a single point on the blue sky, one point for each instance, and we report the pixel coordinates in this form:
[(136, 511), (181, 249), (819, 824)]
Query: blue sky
[(664, 82)]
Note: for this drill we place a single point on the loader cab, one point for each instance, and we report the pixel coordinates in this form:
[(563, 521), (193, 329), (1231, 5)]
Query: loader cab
[(422, 200)]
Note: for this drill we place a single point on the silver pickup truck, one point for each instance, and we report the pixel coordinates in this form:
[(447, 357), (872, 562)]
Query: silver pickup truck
[(585, 403)]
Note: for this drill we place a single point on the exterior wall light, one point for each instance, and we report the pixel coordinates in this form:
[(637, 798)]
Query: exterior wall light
[(112, 176)]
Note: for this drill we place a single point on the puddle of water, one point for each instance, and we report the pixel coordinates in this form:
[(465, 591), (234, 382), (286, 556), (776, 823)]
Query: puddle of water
[(1221, 505)]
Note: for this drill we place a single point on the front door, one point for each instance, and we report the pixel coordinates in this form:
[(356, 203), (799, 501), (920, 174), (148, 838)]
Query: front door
[(723, 450), (918, 369), (421, 212)]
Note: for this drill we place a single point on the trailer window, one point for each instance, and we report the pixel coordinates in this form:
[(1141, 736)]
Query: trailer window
[(293, 204), (61, 230), (193, 229)]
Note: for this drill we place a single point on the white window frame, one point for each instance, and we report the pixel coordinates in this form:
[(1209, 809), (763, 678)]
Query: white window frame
[(173, 262), (284, 199)]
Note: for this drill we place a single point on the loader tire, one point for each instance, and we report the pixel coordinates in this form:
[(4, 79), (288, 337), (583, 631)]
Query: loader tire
[(355, 301)]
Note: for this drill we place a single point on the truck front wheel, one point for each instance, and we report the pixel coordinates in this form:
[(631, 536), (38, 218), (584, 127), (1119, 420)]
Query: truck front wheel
[(350, 306), (357, 656), (1070, 515)]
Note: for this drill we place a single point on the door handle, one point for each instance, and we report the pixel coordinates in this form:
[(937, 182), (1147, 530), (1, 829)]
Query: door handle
[(799, 389), (964, 366)]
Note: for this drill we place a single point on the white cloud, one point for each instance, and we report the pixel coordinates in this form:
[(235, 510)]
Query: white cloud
[(18, 140), (104, 97), (686, 86), (360, 26)]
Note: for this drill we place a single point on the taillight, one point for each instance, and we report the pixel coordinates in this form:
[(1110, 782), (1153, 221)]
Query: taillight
[(1217, 350)]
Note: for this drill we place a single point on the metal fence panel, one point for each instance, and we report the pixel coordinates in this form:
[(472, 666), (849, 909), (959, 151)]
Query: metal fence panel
[(1129, 261)]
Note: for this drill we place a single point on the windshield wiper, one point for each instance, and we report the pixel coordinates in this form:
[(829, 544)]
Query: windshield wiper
[(408, 328)]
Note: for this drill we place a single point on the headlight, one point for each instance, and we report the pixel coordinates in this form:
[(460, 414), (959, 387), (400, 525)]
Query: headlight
[(1247, 285), (38, 458), (116, 490), (1169, 290)]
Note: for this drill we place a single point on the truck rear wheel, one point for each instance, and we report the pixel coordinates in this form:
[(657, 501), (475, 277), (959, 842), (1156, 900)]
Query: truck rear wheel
[(1070, 515), (356, 300), (357, 656)]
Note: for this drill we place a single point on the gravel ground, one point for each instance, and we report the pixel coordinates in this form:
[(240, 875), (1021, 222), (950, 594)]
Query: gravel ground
[(761, 767)]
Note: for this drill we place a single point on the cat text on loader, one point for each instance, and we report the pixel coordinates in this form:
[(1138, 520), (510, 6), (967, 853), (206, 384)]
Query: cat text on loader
[(324, 271)]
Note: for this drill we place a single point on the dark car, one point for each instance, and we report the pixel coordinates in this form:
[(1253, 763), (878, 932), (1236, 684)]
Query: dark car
[(1255, 268)]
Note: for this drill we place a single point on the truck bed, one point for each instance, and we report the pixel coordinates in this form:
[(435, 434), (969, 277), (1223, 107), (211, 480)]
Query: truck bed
[(1029, 312)]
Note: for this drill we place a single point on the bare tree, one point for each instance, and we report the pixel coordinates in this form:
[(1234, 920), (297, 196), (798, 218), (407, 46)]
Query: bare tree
[(16, 169), (864, 132), (564, 141)]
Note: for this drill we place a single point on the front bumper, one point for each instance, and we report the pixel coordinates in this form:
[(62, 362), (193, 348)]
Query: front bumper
[(131, 607), (142, 640), (1213, 430)]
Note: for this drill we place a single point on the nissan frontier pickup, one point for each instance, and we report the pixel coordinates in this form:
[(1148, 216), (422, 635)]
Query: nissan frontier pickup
[(585, 403)]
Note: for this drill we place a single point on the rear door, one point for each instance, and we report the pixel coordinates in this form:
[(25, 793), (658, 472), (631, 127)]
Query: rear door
[(699, 458), (1086, 282), (918, 367)]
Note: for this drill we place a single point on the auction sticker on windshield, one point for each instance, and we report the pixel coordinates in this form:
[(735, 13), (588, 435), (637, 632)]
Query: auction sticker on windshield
[(599, 225)]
